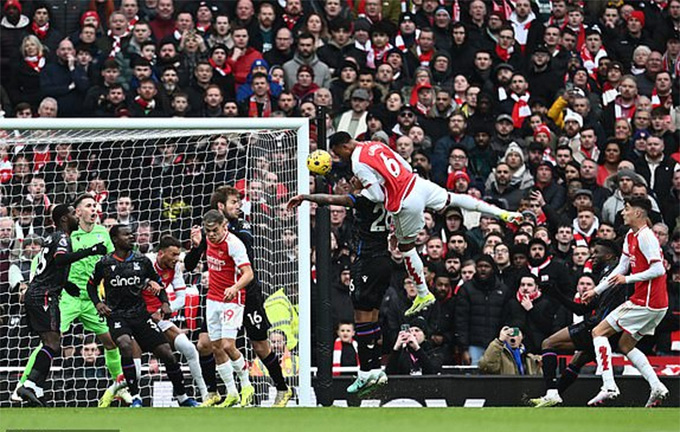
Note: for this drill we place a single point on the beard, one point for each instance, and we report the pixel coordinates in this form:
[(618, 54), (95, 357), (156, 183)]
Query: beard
[(534, 262)]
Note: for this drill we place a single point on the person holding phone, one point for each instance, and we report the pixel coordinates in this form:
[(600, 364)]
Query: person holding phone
[(506, 355), (411, 351)]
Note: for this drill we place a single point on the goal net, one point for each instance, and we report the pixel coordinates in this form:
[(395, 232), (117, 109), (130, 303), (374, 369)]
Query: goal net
[(156, 176)]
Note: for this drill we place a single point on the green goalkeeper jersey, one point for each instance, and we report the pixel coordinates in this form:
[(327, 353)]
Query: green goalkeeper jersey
[(82, 270)]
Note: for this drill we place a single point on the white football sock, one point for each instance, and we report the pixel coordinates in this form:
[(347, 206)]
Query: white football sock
[(414, 268), (241, 370), (226, 372), (468, 202), (603, 354), (138, 368), (189, 351), (641, 363)]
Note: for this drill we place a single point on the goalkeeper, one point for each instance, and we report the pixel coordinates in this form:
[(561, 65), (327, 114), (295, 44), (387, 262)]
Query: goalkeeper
[(71, 308)]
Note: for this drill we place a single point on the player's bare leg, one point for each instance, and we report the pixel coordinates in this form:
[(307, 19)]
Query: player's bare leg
[(271, 361), (32, 389), (371, 376), (658, 391), (226, 370), (603, 355), (559, 340), (164, 353), (179, 341), (207, 361)]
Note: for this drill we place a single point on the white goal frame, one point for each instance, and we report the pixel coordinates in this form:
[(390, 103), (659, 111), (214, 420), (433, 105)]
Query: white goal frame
[(300, 125)]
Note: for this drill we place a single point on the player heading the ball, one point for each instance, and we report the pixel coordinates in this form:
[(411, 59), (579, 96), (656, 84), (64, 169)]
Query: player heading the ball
[(388, 178)]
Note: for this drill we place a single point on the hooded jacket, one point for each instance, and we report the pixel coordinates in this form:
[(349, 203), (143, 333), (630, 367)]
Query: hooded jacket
[(322, 73)]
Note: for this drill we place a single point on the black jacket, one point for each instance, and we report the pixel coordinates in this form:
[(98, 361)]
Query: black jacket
[(480, 309), (536, 324), (409, 362), (663, 175)]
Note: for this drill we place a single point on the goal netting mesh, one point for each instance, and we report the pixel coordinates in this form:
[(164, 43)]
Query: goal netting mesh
[(160, 182)]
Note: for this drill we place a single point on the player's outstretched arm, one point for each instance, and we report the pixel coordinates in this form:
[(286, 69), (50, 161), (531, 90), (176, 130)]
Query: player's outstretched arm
[(64, 259), (322, 199)]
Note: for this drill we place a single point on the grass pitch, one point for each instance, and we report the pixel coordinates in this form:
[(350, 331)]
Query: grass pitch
[(346, 419)]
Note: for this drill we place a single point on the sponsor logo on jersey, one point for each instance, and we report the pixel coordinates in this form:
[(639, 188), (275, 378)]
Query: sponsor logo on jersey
[(117, 325), (135, 266), (128, 281)]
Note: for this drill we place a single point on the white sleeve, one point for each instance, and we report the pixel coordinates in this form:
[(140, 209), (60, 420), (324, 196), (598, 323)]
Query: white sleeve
[(403, 162), (179, 286), (371, 181), (15, 277), (649, 245), (238, 252), (655, 270), (621, 268)]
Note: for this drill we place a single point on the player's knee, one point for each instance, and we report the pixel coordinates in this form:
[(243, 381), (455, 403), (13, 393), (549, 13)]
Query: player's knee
[(547, 344), (125, 347), (164, 352), (107, 341), (228, 345), (261, 348), (204, 346)]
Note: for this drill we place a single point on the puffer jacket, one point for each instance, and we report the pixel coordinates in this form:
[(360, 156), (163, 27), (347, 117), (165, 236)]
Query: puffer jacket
[(498, 360), (480, 311)]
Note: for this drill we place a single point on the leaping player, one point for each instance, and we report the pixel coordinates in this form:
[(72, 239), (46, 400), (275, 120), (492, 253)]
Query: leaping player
[(641, 313), (387, 177)]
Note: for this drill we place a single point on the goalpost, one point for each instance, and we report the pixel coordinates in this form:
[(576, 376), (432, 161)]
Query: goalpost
[(167, 169)]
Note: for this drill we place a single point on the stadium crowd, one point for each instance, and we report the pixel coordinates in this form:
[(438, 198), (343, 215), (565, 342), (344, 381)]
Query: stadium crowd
[(557, 109)]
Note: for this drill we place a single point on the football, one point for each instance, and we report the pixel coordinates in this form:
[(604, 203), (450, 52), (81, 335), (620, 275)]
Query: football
[(319, 162)]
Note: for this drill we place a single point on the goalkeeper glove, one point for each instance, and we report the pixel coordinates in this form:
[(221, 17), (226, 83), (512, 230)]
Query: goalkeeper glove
[(98, 249)]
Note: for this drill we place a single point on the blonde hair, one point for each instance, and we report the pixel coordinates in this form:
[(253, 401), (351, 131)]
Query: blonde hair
[(35, 40)]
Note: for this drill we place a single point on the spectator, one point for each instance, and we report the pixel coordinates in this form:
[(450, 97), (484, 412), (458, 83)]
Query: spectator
[(480, 307), (345, 348), (163, 24), (354, 121), (532, 313), (656, 168), (25, 85), (506, 355), (306, 54), (242, 57), (411, 352), (65, 81)]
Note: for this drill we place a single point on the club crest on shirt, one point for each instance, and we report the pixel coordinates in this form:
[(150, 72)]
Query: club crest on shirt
[(135, 266)]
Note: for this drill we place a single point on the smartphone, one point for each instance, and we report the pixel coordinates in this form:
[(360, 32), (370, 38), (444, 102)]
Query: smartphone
[(405, 327)]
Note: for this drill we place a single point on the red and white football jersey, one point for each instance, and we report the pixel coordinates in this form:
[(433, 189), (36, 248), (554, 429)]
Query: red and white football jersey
[(172, 281), (376, 163), (642, 249), (225, 259)]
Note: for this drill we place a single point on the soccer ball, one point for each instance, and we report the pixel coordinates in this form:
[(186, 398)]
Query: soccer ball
[(319, 162)]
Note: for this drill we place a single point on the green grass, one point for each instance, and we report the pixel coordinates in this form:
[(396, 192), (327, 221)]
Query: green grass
[(348, 419)]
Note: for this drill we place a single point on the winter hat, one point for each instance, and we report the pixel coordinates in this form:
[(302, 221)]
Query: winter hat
[(306, 68), (86, 15), (460, 175), (638, 15), (573, 116), (542, 128), (11, 3)]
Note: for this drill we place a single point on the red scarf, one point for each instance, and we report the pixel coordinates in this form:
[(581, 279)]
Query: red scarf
[(146, 105), (290, 20), (580, 36), (621, 111), (504, 54), (222, 70), (40, 32), (657, 100), (36, 62), (116, 45), (6, 170), (399, 41), (375, 56), (424, 57), (203, 29), (253, 112), (591, 62), (536, 270), (132, 22), (504, 8), (521, 110), (455, 11), (337, 354), (532, 296)]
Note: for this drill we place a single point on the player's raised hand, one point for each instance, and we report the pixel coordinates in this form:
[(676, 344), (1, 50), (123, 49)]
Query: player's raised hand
[(230, 293), (617, 279), (587, 296), (196, 236), (103, 310), (166, 312), (98, 249), (295, 201), (153, 287)]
